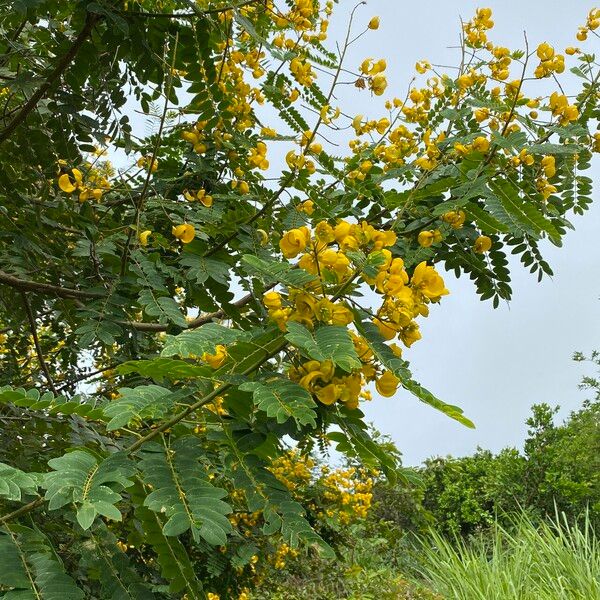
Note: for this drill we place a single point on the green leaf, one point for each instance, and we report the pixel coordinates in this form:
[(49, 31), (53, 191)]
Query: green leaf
[(101, 559), (161, 368), (163, 307), (14, 483), (142, 402), (245, 356), (282, 399), (520, 215), (189, 501), (276, 271), (53, 404), (195, 342), (175, 564), (264, 492), (201, 269), (29, 567), (486, 222), (354, 440), (90, 483), (556, 149), (329, 342)]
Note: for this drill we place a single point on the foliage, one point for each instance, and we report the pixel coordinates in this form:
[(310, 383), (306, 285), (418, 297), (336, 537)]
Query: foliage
[(161, 345), (551, 560), (557, 471)]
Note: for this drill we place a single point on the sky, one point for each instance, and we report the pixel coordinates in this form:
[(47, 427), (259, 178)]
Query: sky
[(493, 363)]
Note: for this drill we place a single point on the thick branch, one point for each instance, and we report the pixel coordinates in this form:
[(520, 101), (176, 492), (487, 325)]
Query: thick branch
[(63, 64), (22, 511), (46, 288)]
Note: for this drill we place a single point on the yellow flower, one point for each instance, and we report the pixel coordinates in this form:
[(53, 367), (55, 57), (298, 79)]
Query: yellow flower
[(410, 334), (329, 394), (263, 237), (422, 66), (374, 23), (204, 198), (427, 280), (217, 359), (148, 162), (427, 238), (387, 384), (324, 233), (307, 207), (64, 181), (144, 237), (549, 166), (455, 218), (387, 330), (482, 244), (545, 51), (243, 187), (481, 144), (341, 315), (378, 84), (185, 232), (294, 241), (272, 300)]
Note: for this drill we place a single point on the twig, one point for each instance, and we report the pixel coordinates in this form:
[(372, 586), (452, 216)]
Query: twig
[(140, 201), (210, 11), (36, 342)]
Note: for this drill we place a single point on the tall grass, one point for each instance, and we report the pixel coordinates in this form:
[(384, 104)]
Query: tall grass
[(552, 561)]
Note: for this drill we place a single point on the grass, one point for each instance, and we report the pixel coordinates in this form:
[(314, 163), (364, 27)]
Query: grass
[(552, 561)]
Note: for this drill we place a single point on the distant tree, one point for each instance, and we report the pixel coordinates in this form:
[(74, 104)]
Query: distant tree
[(558, 470)]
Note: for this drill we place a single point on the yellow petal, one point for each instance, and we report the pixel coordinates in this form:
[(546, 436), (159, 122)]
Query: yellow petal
[(64, 183)]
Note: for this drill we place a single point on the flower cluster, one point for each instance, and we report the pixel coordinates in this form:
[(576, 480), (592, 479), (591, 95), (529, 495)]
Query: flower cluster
[(475, 29), (348, 493), (323, 251), (199, 196), (293, 469), (550, 62), (327, 383), (282, 553), (559, 104), (342, 494), (405, 299), (93, 187)]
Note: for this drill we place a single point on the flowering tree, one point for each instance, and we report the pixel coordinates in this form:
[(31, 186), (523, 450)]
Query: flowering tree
[(169, 327)]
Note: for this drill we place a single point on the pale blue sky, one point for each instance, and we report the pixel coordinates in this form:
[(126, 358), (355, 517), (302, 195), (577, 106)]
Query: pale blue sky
[(493, 363)]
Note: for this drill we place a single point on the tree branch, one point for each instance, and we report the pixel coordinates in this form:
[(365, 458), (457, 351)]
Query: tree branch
[(36, 342), (46, 288), (22, 511), (188, 15)]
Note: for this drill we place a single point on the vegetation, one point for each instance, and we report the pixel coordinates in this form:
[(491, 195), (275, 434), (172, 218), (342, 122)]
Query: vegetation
[(550, 560), (558, 471), (171, 326), (445, 531)]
